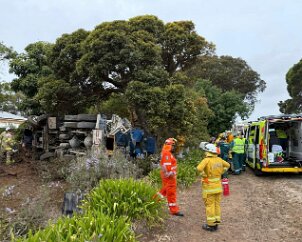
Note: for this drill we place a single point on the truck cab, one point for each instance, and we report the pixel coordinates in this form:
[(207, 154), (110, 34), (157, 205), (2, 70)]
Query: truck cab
[(274, 144)]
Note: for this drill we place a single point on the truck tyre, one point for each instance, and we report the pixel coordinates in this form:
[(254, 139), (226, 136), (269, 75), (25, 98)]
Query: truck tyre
[(70, 125), (64, 136), (87, 117), (258, 172), (70, 117), (47, 155), (86, 125)]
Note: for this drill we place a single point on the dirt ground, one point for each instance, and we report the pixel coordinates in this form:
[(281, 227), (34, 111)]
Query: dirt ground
[(265, 208), (258, 209), (23, 192)]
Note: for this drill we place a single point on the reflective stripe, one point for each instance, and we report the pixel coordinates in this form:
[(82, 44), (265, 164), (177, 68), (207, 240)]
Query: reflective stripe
[(224, 183), (219, 189), (173, 167), (213, 179), (172, 204), (211, 218), (167, 163), (207, 180)]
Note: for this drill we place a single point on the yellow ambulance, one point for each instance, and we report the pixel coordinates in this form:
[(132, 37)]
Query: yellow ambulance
[(274, 144)]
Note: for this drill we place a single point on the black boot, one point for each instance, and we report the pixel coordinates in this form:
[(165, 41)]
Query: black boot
[(178, 214), (209, 228)]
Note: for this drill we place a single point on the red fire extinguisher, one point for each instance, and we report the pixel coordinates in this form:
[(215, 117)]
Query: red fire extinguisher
[(225, 186)]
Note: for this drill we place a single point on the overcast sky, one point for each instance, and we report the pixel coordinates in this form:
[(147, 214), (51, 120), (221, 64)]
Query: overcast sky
[(265, 33)]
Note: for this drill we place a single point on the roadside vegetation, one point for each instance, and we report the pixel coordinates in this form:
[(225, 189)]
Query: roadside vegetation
[(108, 212)]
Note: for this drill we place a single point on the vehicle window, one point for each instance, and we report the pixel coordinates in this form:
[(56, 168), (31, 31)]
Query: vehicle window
[(252, 134), (257, 135)]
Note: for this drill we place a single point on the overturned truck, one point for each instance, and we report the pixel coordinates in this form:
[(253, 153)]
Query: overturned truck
[(71, 135)]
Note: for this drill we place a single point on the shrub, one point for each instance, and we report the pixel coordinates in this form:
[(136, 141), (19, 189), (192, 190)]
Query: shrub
[(154, 177), (193, 157), (94, 226), (86, 172), (108, 212), (125, 198), (186, 174)]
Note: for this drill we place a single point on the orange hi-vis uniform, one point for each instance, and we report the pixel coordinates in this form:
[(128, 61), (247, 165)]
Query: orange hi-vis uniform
[(211, 168), (168, 173)]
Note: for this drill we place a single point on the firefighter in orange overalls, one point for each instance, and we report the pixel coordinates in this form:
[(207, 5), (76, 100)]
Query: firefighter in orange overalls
[(168, 173), (211, 169)]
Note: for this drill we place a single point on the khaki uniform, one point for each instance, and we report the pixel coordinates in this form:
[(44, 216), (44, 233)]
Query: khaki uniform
[(7, 143), (211, 168)]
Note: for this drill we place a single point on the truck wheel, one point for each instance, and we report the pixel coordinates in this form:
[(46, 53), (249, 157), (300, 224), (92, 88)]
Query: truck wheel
[(70, 117), (258, 172), (64, 136), (87, 117), (70, 124), (86, 125), (47, 155)]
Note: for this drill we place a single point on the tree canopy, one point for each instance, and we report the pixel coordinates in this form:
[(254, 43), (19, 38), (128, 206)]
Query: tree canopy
[(9, 100), (294, 88), (153, 71), (229, 73), (224, 104)]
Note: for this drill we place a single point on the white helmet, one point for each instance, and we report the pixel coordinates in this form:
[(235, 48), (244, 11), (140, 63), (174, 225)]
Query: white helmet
[(202, 145), (7, 129), (208, 147)]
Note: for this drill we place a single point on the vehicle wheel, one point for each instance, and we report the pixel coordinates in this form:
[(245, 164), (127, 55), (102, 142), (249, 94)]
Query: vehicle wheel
[(64, 136), (70, 117), (70, 124), (87, 117), (86, 125), (258, 172), (47, 155)]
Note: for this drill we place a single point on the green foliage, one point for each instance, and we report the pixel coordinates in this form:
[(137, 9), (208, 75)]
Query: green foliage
[(168, 111), (6, 52), (193, 158), (229, 73), (186, 170), (65, 53), (108, 211), (115, 104), (29, 68), (61, 93), (294, 88), (9, 100), (224, 104), (182, 45), (186, 174), (125, 198), (154, 177), (90, 226)]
